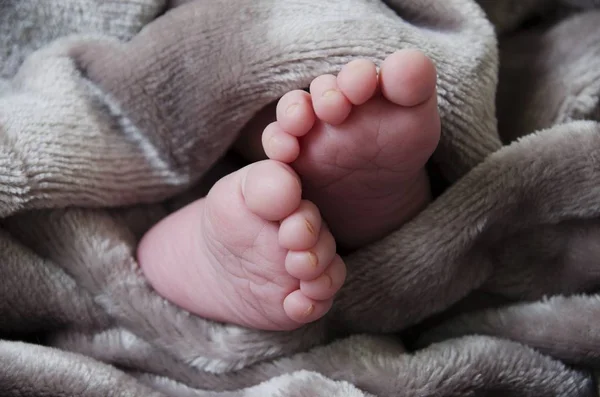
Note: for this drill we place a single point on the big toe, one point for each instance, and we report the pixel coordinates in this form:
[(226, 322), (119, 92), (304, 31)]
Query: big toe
[(271, 190), (408, 78)]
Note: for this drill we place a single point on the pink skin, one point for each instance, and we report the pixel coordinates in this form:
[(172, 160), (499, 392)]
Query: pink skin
[(360, 142), (254, 252)]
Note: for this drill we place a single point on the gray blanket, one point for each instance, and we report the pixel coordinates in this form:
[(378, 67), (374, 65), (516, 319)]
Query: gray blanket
[(114, 113)]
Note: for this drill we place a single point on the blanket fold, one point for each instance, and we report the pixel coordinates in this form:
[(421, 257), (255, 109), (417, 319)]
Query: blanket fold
[(567, 335), (105, 132), (530, 79)]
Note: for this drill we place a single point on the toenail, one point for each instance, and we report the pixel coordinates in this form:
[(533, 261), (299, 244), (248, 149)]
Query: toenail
[(310, 227), (329, 93), (273, 141), (292, 109), (313, 258), (309, 310)]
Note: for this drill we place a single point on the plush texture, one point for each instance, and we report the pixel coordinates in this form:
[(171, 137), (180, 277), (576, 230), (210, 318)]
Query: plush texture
[(114, 113)]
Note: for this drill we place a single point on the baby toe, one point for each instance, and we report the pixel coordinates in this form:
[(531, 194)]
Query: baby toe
[(279, 145), (302, 309), (358, 81), (408, 78), (300, 231), (295, 113), (310, 264), (329, 102), (327, 284)]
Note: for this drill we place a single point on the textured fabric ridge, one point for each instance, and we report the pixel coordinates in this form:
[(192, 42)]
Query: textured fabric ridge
[(114, 113)]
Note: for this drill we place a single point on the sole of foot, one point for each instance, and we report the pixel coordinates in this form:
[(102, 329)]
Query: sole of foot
[(251, 253), (360, 141)]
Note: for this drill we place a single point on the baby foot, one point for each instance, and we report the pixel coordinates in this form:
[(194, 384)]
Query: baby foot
[(360, 142), (250, 253)]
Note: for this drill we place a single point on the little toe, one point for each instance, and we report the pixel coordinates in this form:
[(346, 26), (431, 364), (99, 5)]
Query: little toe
[(310, 264), (358, 81), (271, 189), (279, 145), (302, 309), (329, 102), (300, 231), (327, 284), (295, 113), (408, 78)]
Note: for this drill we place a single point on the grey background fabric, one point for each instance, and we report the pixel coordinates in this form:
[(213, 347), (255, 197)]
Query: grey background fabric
[(114, 113), (26, 26)]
